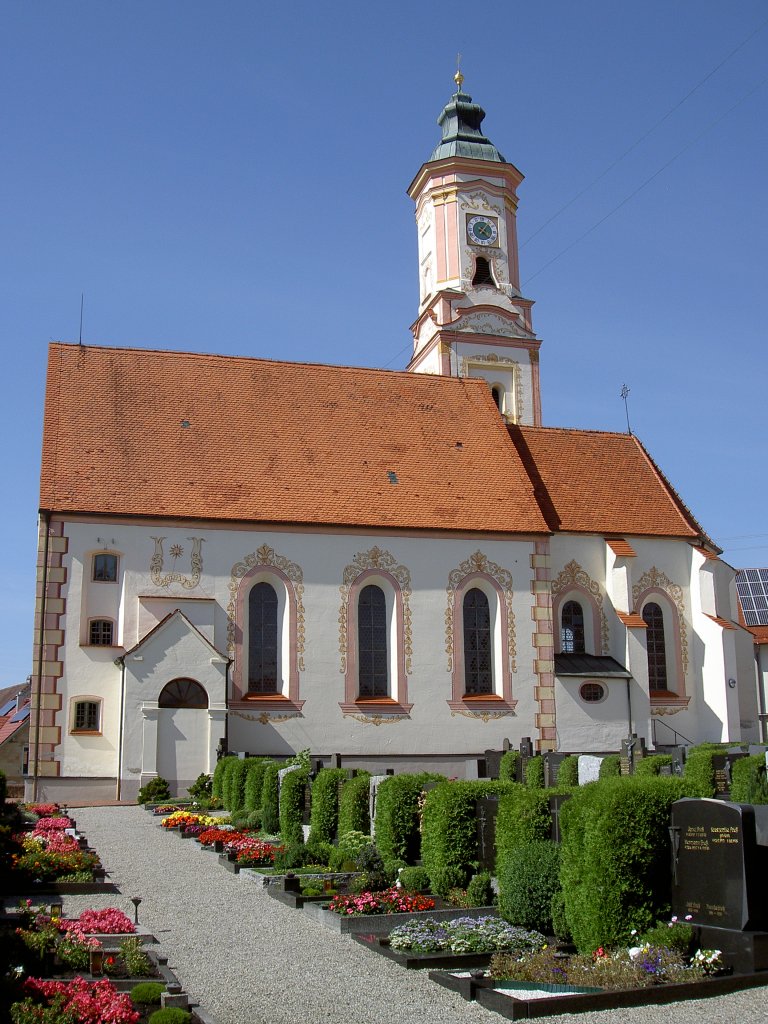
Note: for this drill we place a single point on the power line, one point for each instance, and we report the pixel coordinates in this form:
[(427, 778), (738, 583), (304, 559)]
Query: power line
[(645, 135), (647, 181)]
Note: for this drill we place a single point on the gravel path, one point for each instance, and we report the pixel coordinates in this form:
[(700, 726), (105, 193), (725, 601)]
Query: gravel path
[(249, 960)]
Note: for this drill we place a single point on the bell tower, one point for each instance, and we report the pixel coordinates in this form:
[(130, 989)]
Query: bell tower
[(473, 320)]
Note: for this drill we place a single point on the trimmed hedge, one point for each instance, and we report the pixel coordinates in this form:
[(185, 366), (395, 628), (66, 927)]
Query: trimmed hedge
[(231, 766), (699, 772), (524, 817), (292, 806), (270, 799), (236, 780), (254, 782), (568, 772), (652, 764), (218, 777), (449, 831), (325, 804), (508, 766), (528, 881), (397, 815), (610, 767), (354, 813), (615, 858), (748, 780), (534, 772)]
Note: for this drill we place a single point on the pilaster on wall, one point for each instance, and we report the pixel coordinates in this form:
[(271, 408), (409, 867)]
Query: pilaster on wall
[(544, 645), (50, 608)]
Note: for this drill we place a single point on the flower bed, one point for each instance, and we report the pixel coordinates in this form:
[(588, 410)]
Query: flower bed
[(389, 901), (383, 923)]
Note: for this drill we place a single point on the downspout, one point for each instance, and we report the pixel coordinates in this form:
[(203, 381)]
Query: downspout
[(40, 639), (629, 707), (121, 662), (226, 713)]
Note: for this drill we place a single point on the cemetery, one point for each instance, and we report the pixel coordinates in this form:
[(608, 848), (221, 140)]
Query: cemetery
[(549, 884)]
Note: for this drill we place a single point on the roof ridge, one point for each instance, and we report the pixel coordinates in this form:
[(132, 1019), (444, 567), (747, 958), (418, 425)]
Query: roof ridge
[(578, 430)]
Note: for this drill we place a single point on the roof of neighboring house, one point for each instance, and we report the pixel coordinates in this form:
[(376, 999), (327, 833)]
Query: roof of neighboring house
[(594, 481), (153, 433), (752, 591), (14, 718)]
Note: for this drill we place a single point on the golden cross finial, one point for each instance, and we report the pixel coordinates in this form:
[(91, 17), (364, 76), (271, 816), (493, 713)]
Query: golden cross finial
[(458, 77)]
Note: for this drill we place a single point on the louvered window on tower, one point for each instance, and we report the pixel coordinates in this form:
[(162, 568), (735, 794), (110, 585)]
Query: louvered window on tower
[(483, 272)]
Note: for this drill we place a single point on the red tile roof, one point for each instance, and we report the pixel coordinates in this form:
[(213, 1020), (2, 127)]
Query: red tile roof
[(621, 548), (593, 481), (152, 433)]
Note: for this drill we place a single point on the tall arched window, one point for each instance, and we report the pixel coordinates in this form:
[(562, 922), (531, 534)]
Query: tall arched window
[(262, 639), (372, 642), (656, 646), (183, 693), (572, 628), (478, 672), (482, 272)]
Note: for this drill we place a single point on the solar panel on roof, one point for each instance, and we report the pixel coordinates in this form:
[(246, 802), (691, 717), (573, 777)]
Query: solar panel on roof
[(20, 716), (752, 588), (7, 707)]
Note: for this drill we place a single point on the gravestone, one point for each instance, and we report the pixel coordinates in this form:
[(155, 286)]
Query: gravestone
[(720, 863), (552, 762), (492, 764), (373, 786), (526, 747), (555, 803), (589, 768), (486, 810), (286, 771)]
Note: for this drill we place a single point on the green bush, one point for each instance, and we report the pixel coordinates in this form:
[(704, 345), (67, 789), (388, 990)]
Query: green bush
[(443, 880), (236, 781), (397, 815), (147, 992), (414, 879), (324, 822), (508, 766), (319, 851), (699, 771), (568, 772), (201, 788), (254, 781), (270, 799), (652, 764), (292, 805), (534, 772), (560, 927), (610, 767), (156, 789), (524, 817), (748, 780), (615, 858), (295, 855), (449, 829), (218, 777), (170, 1015), (354, 805), (528, 880), (480, 890), (232, 768), (353, 842)]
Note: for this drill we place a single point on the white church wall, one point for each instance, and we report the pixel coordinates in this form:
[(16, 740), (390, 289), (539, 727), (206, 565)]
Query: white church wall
[(591, 727)]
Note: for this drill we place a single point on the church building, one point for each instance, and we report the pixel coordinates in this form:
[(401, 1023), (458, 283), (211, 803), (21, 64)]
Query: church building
[(405, 568)]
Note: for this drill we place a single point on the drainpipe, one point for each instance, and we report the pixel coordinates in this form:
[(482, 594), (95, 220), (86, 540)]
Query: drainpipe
[(226, 702), (40, 638), (121, 662), (629, 707)]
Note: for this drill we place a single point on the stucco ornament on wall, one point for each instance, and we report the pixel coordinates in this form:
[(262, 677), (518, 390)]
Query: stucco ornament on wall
[(655, 578), (158, 561), (266, 719), (265, 555), (478, 562), (574, 575), (376, 558)]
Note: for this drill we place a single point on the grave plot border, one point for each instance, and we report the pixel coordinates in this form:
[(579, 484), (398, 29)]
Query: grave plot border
[(443, 959), (382, 924)]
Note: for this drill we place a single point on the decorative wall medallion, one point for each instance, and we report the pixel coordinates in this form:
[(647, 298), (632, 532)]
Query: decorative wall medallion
[(482, 716), (481, 323), (266, 555), (665, 710), (482, 564), (176, 551), (574, 575), (656, 578), (479, 201), (377, 719), (376, 558), (266, 717)]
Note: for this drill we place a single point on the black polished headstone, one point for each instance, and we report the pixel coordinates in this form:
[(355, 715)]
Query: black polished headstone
[(486, 810), (719, 866), (492, 763), (526, 747), (552, 762)]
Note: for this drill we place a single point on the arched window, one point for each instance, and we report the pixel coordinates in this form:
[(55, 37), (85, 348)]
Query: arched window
[(262, 639), (482, 272), (372, 642), (656, 646), (478, 655), (497, 396), (183, 693), (572, 628)]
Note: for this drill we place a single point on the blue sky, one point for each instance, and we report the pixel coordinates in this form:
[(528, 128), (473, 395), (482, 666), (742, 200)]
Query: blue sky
[(231, 177)]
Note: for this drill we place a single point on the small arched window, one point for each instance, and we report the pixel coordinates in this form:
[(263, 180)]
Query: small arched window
[(183, 693), (656, 646), (482, 272), (572, 628), (497, 396), (372, 642), (86, 716), (478, 654), (262, 639)]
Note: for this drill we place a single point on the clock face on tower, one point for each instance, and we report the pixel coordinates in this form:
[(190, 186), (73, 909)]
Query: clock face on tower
[(482, 230)]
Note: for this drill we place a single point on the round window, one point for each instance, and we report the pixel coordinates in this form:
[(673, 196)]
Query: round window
[(591, 693)]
